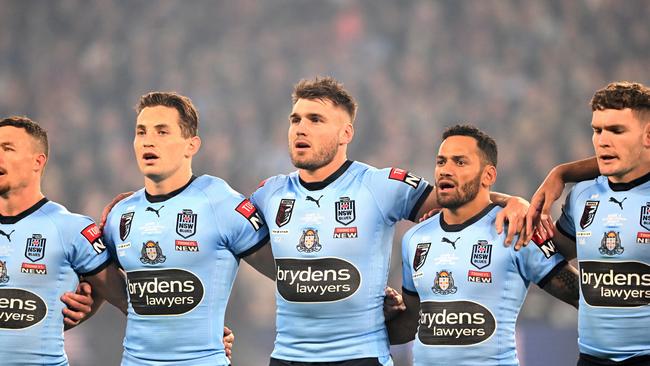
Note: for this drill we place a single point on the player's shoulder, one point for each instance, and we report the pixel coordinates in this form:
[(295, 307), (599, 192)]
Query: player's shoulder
[(215, 189), (425, 227), (589, 187), (63, 218), (273, 183)]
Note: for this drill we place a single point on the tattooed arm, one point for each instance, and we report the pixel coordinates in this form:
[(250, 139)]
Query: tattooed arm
[(563, 285)]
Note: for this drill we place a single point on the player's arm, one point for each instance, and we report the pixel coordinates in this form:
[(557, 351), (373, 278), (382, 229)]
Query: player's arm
[(552, 188), (109, 284), (563, 285), (565, 245), (262, 261), (402, 328)]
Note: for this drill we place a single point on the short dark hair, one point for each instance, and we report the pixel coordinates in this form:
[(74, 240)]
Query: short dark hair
[(621, 95), (32, 128), (189, 116), (485, 143), (325, 88)]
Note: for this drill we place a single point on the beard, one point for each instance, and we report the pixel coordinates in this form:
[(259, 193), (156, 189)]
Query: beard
[(319, 158), (466, 193)]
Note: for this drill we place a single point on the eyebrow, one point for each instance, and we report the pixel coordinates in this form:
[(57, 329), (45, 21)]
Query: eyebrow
[(158, 126), (309, 115), (7, 143)]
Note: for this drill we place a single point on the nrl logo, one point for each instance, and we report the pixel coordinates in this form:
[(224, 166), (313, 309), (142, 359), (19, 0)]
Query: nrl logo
[(125, 224)]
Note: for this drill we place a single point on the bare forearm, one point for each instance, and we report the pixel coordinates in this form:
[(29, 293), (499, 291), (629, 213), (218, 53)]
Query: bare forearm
[(564, 285), (577, 171)]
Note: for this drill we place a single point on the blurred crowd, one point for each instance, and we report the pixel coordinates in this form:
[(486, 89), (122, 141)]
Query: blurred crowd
[(524, 71)]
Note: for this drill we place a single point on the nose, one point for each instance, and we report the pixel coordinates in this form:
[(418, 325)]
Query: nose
[(603, 139)]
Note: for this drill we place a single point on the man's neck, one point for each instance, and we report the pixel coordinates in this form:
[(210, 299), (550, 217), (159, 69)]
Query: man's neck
[(630, 176), (168, 185), (465, 212), (14, 203), (320, 174)]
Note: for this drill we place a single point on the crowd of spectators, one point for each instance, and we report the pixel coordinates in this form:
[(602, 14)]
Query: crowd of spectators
[(522, 70)]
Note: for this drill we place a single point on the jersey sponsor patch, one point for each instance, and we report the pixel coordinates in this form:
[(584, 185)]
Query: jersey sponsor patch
[(643, 238), (186, 246), (35, 247), (479, 276), (644, 220), (33, 268), (4, 277), (309, 241), (164, 292), (285, 209), (249, 211), (345, 210), (610, 244), (20, 309), (125, 224), (94, 237), (186, 223), (405, 177), (588, 213), (444, 283), (345, 232), (615, 284), (481, 254), (454, 323), (316, 280), (151, 253), (547, 247), (421, 251)]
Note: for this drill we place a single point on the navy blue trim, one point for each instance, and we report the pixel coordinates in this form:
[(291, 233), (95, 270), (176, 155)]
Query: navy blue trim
[(409, 292), (589, 360), (9, 220), (317, 186), (558, 267), (420, 202), (459, 227), (620, 187), (563, 232), (265, 240), (164, 197), (98, 269)]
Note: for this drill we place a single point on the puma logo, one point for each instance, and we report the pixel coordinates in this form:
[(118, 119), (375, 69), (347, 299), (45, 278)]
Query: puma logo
[(157, 212), (453, 243), (7, 235), (620, 204), (317, 201)]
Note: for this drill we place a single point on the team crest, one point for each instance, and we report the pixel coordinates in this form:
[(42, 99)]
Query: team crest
[(443, 284), (645, 216), (186, 223), (481, 254), (284, 211), (421, 251), (588, 213), (35, 247), (610, 244), (4, 277), (345, 212), (151, 253), (125, 224), (309, 241)]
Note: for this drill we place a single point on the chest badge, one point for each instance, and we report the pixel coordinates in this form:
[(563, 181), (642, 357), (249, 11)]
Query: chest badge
[(283, 216), (35, 247), (125, 224), (588, 214), (645, 216), (186, 223), (610, 244), (345, 210), (151, 253), (309, 241), (481, 254), (421, 251), (443, 284), (4, 277)]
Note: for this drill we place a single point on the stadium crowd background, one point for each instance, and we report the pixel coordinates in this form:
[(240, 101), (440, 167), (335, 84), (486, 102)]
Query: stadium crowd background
[(522, 70)]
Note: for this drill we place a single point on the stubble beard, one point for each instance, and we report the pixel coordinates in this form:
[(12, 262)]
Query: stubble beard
[(321, 158), (467, 193)]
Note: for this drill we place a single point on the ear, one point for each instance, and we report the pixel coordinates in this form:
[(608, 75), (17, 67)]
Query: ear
[(193, 147), (39, 162), (347, 133), (489, 176), (646, 135)]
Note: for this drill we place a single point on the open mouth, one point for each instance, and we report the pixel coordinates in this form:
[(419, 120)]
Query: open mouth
[(149, 157), (607, 157), (445, 186), (301, 145)]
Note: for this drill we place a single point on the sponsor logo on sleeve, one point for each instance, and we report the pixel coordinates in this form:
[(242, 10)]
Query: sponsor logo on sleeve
[(478, 276), (443, 284), (405, 177), (249, 211), (345, 232), (421, 251), (125, 224), (20, 309), (94, 237), (285, 209), (345, 210), (481, 254), (186, 223), (151, 253), (610, 244), (35, 247), (309, 241), (615, 284), (588, 213), (644, 220), (547, 247), (454, 323), (316, 280), (164, 292)]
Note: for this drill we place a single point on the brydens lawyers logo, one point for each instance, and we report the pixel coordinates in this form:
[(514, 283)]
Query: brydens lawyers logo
[(421, 251), (35, 247), (186, 223), (588, 213), (249, 211), (285, 209), (125, 224), (404, 176)]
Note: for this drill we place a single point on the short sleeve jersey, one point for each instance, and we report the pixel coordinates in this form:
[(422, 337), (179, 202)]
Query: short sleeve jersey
[(471, 288), (181, 253), (611, 225), (43, 251), (332, 242)]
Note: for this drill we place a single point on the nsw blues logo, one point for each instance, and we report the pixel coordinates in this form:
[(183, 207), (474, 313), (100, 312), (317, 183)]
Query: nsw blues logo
[(186, 223), (125, 224), (421, 251), (151, 253), (481, 254), (443, 284), (588, 213), (645, 216), (345, 212), (35, 247), (309, 241), (4, 277), (610, 244)]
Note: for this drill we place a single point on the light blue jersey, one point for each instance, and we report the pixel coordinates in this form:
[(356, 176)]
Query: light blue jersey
[(43, 251), (611, 225), (181, 253), (332, 242), (471, 288)]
